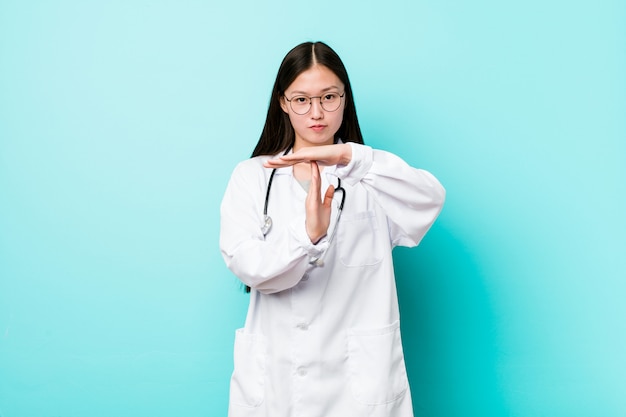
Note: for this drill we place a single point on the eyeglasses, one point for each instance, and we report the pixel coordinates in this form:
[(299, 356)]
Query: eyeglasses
[(302, 104)]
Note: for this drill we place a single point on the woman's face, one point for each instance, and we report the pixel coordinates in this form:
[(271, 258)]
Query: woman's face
[(318, 126)]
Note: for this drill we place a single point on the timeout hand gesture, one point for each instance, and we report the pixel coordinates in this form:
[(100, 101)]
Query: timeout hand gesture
[(317, 210)]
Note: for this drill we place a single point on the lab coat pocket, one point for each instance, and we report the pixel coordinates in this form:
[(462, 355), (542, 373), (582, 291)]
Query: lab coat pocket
[(376, 364), (357, 240), (247, 384)]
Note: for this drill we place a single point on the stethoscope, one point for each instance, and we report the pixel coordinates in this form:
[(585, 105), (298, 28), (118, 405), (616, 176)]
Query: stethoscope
[(267, 220)]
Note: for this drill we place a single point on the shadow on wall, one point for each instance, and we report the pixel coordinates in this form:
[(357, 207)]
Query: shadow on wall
[(448, 329)]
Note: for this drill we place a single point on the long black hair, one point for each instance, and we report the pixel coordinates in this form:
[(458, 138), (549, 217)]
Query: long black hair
[(278, 134)]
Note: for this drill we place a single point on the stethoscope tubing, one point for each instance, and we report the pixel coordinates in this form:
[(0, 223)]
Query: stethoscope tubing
[(267, 193)]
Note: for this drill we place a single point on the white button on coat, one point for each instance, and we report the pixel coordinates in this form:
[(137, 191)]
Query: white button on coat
[(331, 346)]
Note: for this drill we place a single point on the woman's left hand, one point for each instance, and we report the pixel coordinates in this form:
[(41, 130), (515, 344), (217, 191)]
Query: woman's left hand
[(339, 154)]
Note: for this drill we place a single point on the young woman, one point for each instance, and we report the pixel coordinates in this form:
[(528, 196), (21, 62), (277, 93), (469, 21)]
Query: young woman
[(308, 225)]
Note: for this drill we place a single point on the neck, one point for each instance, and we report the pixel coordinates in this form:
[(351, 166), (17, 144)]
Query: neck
[(302, 171), (299, 144)]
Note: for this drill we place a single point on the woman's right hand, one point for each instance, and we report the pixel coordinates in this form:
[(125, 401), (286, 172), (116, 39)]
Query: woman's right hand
[(318, 211)]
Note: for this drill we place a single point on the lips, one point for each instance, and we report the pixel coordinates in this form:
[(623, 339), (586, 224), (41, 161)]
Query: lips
[(317, 128)]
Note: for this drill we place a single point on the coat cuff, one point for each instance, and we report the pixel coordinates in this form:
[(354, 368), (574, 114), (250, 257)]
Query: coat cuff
[(359, 165)]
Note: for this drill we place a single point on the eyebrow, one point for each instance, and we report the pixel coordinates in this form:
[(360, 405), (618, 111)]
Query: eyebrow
[(333, 87)]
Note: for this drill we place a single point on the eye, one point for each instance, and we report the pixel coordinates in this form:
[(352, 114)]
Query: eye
[(330, 97), (300, 100)]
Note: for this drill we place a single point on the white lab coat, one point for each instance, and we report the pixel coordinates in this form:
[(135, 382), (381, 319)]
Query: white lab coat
[(323, 341)]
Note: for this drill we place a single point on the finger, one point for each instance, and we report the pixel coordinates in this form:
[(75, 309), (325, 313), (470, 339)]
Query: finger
[(313, 195), (292, 159), (315, 177), (328, 196), (315, 170), (277, 163), (312, 153)]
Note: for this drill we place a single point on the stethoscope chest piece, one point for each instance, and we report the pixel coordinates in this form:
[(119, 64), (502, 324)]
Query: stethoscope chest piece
[(267, 225)]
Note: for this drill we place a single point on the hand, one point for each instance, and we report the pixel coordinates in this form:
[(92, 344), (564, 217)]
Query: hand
[(339, 154), (317, 211)]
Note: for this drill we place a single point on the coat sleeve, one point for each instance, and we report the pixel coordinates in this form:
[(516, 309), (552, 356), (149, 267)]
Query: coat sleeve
[(411, 198), (268, 267)]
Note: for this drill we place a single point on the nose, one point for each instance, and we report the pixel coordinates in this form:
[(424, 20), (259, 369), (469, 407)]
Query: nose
[(317, 112)]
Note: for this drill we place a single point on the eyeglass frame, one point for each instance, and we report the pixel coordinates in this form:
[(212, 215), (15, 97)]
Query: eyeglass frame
[(311, 102)]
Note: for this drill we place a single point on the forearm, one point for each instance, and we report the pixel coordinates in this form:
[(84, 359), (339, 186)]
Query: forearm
[(411, 198), (268, 266)]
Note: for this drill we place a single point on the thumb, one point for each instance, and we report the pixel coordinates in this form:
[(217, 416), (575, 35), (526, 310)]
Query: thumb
[(328, 196)]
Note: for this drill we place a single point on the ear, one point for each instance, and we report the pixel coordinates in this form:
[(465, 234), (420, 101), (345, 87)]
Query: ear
[(283, 104)]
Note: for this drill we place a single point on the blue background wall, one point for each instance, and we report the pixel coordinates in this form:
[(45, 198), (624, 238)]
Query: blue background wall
[(121, 121)]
